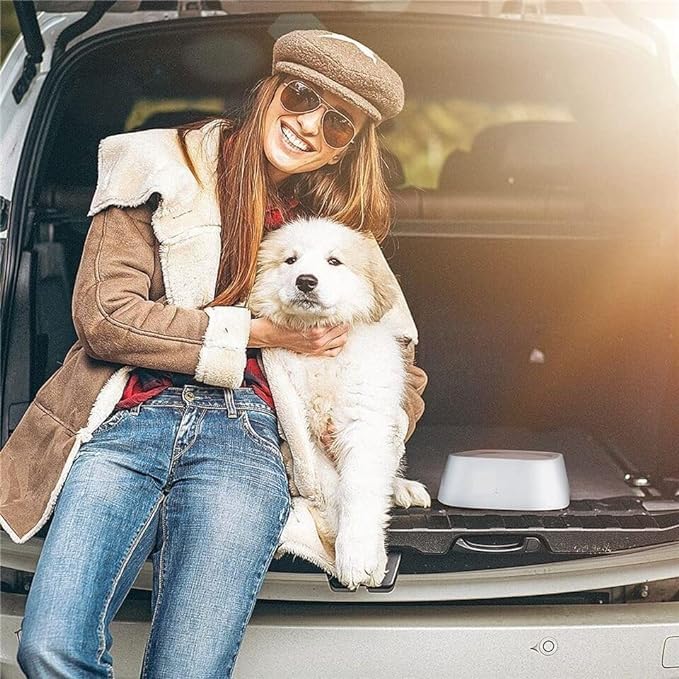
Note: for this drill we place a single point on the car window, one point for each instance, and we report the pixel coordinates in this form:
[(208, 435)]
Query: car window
[(485, 110), (147, 113), (427, 132)]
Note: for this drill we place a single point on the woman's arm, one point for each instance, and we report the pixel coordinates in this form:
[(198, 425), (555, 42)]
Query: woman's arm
[(115, 320)]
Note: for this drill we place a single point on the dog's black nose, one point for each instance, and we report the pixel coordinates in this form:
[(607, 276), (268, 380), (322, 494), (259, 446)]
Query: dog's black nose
[(306, 282)]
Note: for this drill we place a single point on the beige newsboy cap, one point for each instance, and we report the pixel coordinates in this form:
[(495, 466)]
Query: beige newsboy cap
[(343, 66)]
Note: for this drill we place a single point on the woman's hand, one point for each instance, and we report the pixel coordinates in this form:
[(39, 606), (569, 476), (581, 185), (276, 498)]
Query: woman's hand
[(320, 341)]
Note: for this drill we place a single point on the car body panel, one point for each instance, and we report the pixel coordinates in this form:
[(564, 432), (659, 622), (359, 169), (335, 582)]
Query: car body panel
[(305, 641)]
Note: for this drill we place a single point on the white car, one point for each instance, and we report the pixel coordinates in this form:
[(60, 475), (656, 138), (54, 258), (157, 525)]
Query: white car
[(535, 171)]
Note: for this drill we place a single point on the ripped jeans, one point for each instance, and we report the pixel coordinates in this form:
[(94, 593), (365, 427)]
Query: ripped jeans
[(193, 478)]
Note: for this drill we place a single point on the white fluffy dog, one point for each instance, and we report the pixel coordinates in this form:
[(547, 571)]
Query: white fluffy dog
[(317, 272)]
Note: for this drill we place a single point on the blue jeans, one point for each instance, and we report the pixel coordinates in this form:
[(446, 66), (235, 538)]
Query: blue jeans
[(193, 478)]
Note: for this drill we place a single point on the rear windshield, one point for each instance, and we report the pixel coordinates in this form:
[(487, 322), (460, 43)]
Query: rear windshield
[(488, 110)]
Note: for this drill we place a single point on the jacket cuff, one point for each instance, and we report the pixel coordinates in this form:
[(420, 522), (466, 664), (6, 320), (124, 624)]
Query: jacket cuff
[(222, 358)]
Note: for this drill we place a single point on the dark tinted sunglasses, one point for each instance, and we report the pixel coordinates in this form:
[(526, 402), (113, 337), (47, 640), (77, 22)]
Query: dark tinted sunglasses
[(298, 97)]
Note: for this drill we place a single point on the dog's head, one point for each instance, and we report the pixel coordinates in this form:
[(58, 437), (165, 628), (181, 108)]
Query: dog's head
[(318, 272)]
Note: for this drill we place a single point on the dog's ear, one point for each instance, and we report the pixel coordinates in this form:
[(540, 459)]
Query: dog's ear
[(384, 294)]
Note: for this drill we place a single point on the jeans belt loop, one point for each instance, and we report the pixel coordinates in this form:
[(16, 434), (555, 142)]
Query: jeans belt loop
[(230, 403)]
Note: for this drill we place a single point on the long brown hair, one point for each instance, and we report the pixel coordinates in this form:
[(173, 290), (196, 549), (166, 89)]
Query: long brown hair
[(352, 191)]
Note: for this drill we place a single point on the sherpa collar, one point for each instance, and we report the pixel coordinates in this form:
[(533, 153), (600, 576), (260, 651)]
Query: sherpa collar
[(135, 165)]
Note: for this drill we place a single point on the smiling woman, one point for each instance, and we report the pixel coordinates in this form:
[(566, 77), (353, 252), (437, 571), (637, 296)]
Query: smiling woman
[(306, 153), (165, 337)]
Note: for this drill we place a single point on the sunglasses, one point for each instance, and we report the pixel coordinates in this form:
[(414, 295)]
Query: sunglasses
[(298, 97)]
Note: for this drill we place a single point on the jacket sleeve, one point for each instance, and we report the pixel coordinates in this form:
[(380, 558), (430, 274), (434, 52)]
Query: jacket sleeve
[(117, 322)]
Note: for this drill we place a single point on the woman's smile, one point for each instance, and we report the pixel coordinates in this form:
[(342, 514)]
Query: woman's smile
[(293, 140)]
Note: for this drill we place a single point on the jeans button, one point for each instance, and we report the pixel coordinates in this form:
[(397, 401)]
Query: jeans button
[(189, 396)]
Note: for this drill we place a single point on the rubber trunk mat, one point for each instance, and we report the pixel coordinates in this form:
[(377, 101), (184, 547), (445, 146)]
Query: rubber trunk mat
[(604, 514), (592, 472)]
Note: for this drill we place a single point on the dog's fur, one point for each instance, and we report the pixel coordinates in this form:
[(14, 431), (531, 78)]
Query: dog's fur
[(360, 391)]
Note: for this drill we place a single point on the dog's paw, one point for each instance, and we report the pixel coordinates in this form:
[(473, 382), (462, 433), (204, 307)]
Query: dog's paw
[(409, 493), (360, 561)]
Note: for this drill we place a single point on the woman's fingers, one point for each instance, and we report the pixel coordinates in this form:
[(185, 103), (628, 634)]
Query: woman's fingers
[(324, 334), (317, 341), (327, 341)]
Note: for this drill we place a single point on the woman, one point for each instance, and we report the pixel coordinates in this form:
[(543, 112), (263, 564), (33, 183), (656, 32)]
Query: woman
[(168, 446)]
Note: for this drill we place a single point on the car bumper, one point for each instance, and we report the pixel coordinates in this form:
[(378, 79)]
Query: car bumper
[(647, 564), (341, 641)]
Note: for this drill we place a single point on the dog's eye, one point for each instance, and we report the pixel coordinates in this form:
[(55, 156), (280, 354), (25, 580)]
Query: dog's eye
[(333, 261), (291, 260)]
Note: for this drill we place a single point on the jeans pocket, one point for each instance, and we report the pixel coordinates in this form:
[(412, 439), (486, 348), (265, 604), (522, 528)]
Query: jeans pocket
[(261, 428), (113, 420)]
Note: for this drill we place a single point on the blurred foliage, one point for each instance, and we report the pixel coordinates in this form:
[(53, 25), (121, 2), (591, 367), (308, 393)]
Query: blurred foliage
[(425, 133), (9, 27)]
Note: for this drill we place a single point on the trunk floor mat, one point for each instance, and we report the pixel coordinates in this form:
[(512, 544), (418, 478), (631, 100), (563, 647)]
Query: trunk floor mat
[(592, 472), (605, 514)]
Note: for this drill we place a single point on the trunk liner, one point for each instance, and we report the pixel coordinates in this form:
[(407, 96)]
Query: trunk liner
[(604, 515), (592, 471)]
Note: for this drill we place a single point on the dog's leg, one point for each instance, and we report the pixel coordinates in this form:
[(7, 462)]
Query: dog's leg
[(366, 470)]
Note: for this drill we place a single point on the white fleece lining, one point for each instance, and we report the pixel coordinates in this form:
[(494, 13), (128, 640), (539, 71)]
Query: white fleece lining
[(189, 264), (222, 358), (302, 550), (292, 422), (300, 538), (155, 155), (102, 407)]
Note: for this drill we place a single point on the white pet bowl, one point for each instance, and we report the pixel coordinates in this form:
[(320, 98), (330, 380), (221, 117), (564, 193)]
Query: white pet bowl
[(527, 480)]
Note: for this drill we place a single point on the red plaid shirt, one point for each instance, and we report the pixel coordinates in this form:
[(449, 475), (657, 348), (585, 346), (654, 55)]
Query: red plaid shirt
[(144, 384)]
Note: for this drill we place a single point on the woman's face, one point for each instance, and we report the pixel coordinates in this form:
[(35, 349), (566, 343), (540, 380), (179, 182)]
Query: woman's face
[(294, 142)]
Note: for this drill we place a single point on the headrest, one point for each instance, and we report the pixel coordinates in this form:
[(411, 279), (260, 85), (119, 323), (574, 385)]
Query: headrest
[(526, 154)]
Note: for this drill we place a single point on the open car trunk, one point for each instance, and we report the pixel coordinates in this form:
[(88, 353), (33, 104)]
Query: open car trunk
[(537, 251), (555, 341)]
